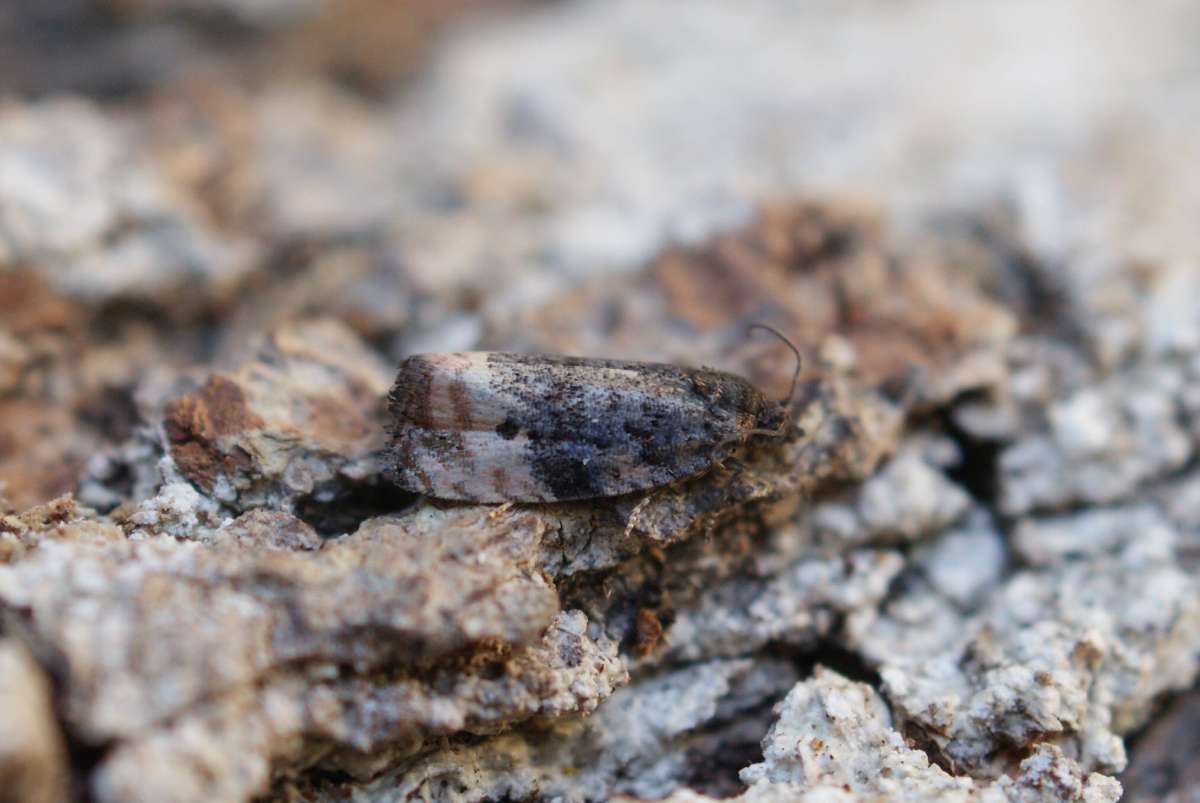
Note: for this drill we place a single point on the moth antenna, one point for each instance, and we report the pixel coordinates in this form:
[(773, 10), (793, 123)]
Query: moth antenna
[(787, 403)]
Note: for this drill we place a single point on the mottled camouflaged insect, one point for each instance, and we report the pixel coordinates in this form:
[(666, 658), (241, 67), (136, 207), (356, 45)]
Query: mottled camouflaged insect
[(497, 427)]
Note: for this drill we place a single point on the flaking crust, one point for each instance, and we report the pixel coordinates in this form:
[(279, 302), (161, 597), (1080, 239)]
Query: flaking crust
[(496, 427)]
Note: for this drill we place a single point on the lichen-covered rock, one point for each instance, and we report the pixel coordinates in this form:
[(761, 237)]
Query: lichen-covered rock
[(404, 630), (390, 591), (177, 510), (834, 740), (906, 500), (270, 529), (1103, 441), (61, 519), (637, 742), (81, 203), (1072, 650), (835, 733), (820, 273), (796, 605), (300, 421), (355, 724)]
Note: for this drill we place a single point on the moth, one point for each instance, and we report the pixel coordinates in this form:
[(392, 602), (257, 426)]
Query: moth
[(499, 427)]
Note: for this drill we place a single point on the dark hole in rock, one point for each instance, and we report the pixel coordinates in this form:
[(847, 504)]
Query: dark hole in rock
[(731, 747), (831, 655), (352, 506), (725, 748), (494, 670), (978, 471), (112, 413)]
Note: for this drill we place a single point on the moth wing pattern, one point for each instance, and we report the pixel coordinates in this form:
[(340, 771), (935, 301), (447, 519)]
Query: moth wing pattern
[(496, 427)]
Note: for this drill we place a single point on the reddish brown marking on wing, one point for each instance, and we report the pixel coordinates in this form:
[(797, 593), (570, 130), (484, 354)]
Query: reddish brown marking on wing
[(460, 403), (500, 481), (420, 401), (410, 398)]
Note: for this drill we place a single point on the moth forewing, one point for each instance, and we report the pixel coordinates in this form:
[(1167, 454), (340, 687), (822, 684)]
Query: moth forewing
[(496, 427)]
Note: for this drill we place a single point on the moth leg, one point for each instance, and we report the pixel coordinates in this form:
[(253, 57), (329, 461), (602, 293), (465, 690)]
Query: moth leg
[(636, 513), (499, 511)]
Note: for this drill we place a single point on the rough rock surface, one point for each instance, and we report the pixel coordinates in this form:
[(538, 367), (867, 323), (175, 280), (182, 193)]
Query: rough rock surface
[(970, 573), (298, 422), (611, 752), (833, 741), (82, 201)]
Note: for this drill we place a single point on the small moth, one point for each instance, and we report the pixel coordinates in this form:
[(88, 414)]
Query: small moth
[(497, 427)]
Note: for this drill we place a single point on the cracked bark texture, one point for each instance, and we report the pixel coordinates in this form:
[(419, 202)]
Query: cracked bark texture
[(972, 577)]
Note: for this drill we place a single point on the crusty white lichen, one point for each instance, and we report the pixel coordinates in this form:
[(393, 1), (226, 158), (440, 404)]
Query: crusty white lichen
[(1102, 442), (1072, 650), (834, 743), (907, 500)]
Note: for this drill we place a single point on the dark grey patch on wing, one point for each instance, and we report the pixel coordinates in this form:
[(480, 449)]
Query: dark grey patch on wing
[(508, 428), (594, 427), (568, 469)]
